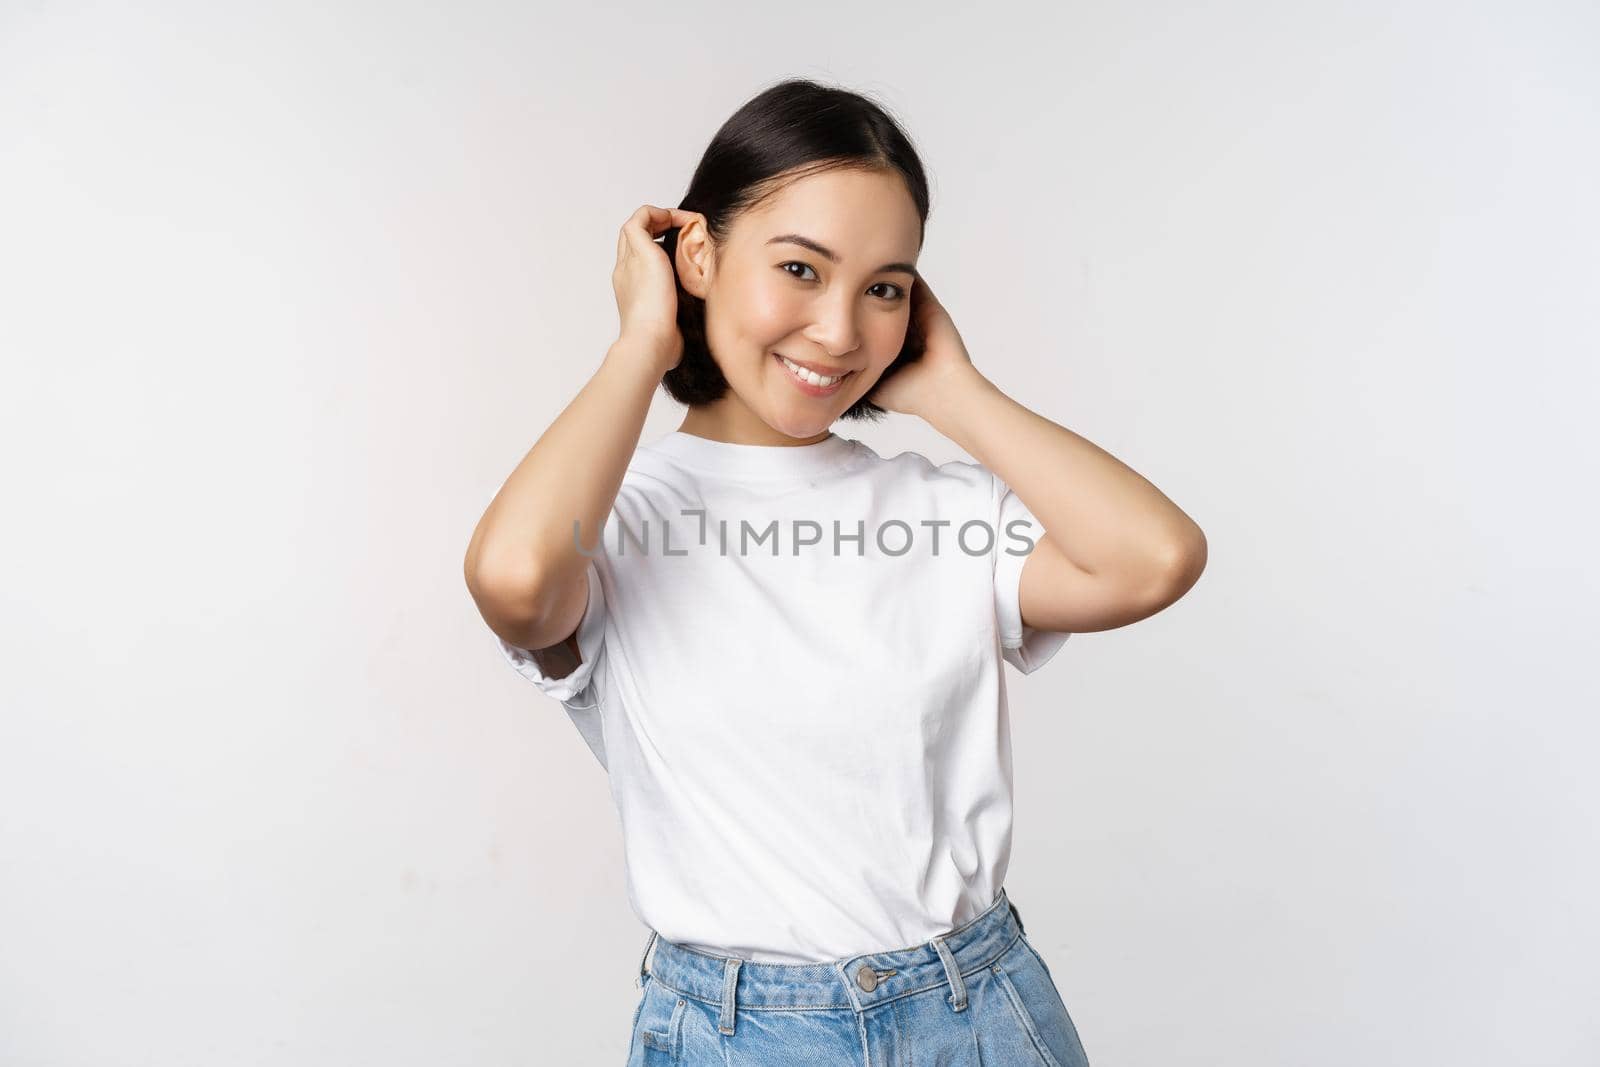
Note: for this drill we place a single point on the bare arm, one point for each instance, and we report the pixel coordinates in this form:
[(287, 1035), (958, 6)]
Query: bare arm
[(1115, 550), (522, 567)]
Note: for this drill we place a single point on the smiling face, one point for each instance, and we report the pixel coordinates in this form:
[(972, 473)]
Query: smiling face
[(819, 276)]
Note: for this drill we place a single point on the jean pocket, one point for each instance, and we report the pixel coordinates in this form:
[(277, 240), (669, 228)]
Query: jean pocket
[(1038, 1006), (657, 1026), (1019, 1007)]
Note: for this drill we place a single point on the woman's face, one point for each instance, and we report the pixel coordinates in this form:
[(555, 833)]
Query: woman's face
[(768, 296)]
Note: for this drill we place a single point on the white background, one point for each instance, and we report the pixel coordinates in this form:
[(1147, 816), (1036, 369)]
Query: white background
[(287, 290)]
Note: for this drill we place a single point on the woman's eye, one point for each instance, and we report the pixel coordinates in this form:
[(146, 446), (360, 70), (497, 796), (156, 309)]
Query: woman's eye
[(898, 291)]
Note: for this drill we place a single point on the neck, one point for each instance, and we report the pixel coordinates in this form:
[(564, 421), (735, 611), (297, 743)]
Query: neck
[(717, 423)]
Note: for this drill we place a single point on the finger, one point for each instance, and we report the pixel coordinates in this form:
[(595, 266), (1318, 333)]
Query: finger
[(639, 222), (637, 231), (668, 214), (658, 219)]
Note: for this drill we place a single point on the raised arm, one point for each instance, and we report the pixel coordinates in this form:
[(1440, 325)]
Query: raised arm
[(522, 567), (1115, 550)]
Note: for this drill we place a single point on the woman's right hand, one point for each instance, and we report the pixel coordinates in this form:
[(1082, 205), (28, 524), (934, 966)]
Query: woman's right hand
[(646, 283)]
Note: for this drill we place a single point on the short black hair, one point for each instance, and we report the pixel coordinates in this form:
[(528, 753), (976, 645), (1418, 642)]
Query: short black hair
[(789, 130)]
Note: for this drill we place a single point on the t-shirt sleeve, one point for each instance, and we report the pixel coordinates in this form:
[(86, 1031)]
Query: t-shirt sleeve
[(552, 669), (1024, 647)]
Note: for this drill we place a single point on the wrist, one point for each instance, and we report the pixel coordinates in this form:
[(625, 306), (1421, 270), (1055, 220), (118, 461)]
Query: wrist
[(953, 395), (649, 354)]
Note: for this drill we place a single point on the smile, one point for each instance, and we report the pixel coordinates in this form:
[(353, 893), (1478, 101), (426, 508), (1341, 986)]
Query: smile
[(810, 381)]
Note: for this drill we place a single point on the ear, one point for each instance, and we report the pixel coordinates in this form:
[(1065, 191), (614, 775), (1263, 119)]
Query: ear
[(695, 257)]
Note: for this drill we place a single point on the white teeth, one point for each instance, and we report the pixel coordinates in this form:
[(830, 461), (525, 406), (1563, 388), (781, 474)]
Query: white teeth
[(812, 377)]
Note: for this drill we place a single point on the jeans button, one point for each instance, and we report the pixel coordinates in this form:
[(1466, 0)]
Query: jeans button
[(866, 977)]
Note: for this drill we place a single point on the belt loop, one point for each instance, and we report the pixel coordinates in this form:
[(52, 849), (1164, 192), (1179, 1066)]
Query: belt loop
[(730, 979), (953, 973), (648, 945), (1017, 915)]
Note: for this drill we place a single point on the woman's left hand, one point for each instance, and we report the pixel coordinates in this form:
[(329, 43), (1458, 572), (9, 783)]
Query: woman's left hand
[(945, 366)]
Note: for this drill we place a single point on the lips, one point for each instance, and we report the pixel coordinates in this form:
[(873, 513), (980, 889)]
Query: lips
[(816, 367), (805, 386)]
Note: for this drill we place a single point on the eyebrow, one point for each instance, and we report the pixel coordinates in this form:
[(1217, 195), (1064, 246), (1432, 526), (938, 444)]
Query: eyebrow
[(833, 257)]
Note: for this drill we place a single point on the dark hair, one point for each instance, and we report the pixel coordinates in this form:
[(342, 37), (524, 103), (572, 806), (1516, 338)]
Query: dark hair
[(787, 131)]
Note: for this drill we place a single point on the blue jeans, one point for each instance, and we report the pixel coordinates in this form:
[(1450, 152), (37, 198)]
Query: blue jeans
[(979, 994)]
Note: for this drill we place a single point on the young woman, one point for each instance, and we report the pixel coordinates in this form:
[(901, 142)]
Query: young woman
[(786, 649)]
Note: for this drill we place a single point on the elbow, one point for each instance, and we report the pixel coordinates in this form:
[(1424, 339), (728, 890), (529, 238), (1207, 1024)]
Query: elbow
[(1188, 562), (508, 596), (1178, 568), (497, 579), (521, 605)]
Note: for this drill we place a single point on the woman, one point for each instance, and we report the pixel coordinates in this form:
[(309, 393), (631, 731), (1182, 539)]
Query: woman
[(786, 649)]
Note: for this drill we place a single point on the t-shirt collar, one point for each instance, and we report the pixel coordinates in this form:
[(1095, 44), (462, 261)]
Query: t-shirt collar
[(755, 461)]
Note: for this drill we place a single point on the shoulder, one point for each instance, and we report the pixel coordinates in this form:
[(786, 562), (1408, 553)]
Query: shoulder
[(650, 474), (959, 477)]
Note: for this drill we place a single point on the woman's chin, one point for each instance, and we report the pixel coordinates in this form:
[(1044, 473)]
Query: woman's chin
[(806, 418), (801, 424), (801, 430)]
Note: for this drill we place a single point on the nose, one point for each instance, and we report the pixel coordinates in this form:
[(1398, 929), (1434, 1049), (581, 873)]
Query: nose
[(835, 329)]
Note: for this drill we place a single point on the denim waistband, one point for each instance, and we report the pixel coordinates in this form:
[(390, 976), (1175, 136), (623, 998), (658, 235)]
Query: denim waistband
[(857, 982)]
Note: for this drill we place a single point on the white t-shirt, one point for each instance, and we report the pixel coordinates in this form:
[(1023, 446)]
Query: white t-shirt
[(807, 739)]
